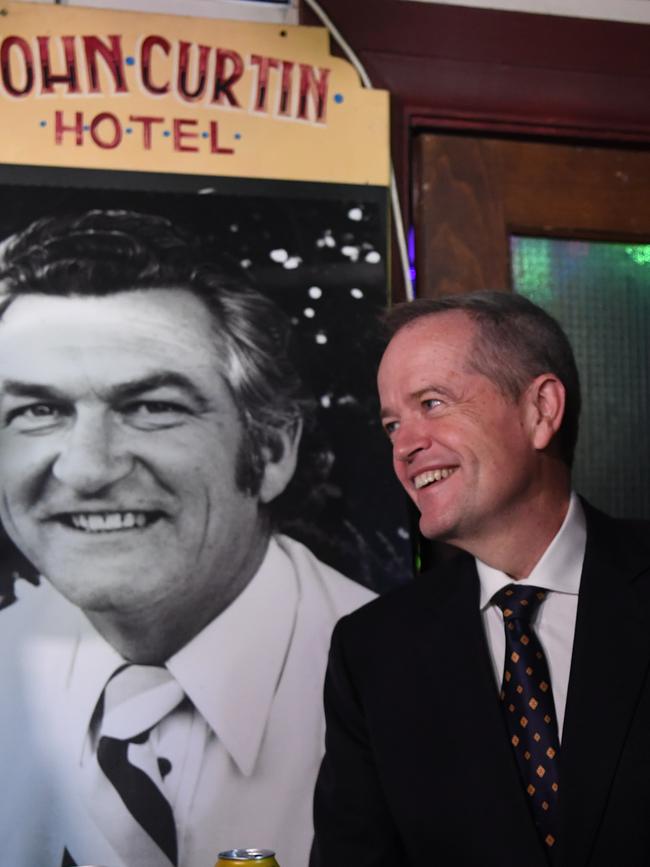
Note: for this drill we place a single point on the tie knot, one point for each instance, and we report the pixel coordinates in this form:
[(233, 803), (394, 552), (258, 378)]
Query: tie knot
[(519, 601), (136, 698)]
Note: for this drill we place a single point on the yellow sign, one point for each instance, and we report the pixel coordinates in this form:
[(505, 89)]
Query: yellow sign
[(83, 88)]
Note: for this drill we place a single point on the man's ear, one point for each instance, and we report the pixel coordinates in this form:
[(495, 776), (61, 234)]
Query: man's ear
[(546, 399), (281, 464)]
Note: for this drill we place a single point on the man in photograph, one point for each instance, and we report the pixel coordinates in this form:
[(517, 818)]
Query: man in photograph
[(162, 682), (506, 721)]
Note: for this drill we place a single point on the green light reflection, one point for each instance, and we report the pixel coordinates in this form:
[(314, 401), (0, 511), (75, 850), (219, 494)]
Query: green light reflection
[(639, 253)]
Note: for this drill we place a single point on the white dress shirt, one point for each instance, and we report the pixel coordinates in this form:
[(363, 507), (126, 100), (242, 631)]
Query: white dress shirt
[(558, 571), (245, 747)]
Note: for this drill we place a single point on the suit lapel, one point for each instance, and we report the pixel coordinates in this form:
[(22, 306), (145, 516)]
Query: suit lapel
[(611, 651), (458, 658)]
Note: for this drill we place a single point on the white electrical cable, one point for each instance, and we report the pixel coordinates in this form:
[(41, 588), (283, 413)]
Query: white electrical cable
[(409, 289), (395, 204)]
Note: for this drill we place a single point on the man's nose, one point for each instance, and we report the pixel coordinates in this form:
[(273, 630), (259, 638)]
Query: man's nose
[(409, 439), (93, 456)]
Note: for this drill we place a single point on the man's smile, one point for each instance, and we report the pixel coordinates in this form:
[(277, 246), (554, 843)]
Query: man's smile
[(107, 521), (428, 477)]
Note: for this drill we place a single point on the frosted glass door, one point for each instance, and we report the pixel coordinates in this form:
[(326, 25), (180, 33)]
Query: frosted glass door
[(600, 293)]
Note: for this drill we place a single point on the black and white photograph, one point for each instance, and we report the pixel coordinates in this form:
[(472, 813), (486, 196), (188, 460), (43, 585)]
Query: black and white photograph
[(194, 488)]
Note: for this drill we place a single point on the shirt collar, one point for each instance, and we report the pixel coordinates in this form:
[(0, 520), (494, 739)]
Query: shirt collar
[(232, 668), (558, 569)]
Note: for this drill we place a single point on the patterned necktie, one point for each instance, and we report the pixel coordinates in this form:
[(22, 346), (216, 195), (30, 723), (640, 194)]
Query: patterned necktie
[(528, 707), (136, 699)]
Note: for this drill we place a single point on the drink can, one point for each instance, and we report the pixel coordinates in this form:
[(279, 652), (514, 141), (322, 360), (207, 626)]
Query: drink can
[(257, 857)]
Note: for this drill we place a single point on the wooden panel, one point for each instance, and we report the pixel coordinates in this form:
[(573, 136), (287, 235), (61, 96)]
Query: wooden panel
[(461, 244), (472, 193), (575, 190)]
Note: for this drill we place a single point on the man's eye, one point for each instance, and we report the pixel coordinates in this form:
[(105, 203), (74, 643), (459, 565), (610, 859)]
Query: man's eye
[(155, 413), (390, 427), (431, 403), (33, 415), (40, 410), (155, 406)]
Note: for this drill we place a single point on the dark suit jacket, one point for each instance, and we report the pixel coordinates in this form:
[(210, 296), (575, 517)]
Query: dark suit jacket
[(419, 769)]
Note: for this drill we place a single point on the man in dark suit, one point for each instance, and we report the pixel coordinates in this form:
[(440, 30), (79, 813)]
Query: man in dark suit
[(495, 711)]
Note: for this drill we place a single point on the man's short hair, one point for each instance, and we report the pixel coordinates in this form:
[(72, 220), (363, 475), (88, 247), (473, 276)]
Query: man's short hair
[(104, 252), (515, 342)]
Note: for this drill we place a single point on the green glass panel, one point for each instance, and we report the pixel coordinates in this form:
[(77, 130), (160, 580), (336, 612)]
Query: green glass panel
[(600, 293)]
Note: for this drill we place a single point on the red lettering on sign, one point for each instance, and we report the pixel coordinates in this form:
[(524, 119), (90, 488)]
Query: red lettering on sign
[(146, 52), (284, 103), (183, 71), (264, 65), (313, 84), (111, 54), (214, 140), (147, 125), (181, 133), (24, 51), (49, 78), (105, 118), (60, 127), (224, 83)]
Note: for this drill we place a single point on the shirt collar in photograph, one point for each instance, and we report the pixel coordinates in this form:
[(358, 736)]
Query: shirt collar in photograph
[(231, 669), (560, 566)]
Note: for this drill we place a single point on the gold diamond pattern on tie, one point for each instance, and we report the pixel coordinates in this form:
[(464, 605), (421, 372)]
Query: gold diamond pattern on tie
[(526, 694)]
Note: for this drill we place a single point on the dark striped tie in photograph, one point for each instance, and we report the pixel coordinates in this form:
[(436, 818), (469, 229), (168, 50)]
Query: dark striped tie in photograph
[(142, 797), (135, 700), (68, 860), (529, 710)]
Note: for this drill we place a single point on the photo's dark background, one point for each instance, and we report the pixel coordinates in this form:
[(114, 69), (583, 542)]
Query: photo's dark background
[(319, 251)]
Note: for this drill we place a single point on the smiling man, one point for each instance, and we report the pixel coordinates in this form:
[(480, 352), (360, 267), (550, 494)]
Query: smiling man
[(164, 677), (496, 711)]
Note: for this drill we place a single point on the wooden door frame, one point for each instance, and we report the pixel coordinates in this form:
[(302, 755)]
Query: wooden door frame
[(451, 68)]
